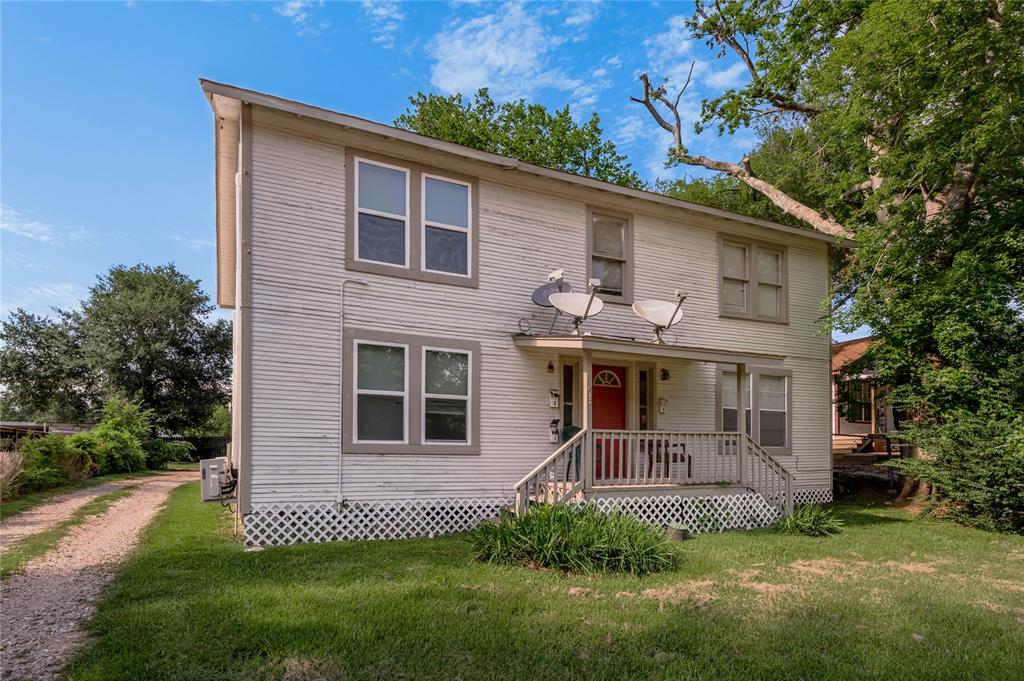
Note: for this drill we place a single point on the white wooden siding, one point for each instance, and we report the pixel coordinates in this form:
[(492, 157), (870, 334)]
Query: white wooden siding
[(298, 266)]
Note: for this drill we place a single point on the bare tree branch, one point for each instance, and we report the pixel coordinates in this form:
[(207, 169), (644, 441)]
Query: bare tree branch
[(741, 171)]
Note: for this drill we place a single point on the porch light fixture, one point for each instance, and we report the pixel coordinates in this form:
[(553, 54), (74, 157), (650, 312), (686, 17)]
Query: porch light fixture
[(664, 374), (551, 367)]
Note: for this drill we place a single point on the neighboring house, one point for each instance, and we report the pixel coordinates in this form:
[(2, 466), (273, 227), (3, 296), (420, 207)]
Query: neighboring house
[(862, 418), (393, 377)]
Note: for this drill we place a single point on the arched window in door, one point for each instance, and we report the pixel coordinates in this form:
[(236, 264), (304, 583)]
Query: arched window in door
[(607, 379)]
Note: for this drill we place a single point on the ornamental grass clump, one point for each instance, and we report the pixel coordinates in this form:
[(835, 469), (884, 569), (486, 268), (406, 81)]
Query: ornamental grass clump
[(811, 520), (575, 540)]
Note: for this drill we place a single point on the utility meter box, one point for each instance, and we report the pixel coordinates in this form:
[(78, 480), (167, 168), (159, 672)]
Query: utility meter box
[(213, 474)]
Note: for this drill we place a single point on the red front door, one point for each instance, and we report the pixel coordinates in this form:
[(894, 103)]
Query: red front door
[(609, 414)]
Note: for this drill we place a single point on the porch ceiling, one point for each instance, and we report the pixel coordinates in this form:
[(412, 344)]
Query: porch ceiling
[(607, 345)]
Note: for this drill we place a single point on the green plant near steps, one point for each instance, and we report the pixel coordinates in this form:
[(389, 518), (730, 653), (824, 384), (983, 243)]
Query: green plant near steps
[(581, 540), (812, 520)]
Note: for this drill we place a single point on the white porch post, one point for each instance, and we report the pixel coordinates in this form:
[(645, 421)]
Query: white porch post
[(741, 421), (588, 413)]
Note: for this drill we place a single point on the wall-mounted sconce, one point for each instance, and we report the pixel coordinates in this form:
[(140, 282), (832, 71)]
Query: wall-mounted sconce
[(553, 399), (553, 436), (662, 405), (664, 374), (551, 367)]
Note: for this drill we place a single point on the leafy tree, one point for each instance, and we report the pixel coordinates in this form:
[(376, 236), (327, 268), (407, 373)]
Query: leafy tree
[(895, 123), (528, 132), (218, 425), (43, 369), (145, 334), (141, 335)]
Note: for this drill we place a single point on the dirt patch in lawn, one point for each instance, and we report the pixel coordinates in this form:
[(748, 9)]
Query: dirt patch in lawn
[(699, 594), (913, 568)]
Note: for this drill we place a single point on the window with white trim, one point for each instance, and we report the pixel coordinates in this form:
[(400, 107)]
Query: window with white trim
[(446, 395), (753, 280), (772, 407), (381, 391), (447, 227), (767, 399), (382, 213), (609, 254), (729, 420)]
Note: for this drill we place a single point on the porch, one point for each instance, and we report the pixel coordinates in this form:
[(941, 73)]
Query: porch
[(615, 445), (596, 464)]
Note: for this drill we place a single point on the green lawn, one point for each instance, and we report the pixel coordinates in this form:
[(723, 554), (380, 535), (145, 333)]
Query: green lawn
[(891, 597)]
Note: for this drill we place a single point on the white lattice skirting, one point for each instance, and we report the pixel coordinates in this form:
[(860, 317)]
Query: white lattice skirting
[(301, 523), (312, 522), (802, 497), (718, 513)]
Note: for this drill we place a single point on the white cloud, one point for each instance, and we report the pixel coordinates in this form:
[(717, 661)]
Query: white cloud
[(385, 19), (505, 51), (614, 61), (669, 46), (629, 129), (200, 245), (42, 298), (19, 223), (303, 16), (729, 77), (582, 15)]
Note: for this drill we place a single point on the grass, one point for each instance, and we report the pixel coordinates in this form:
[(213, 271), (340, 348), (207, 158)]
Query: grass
[(583, 540), (183, 466), (23, 502), (811, 520), (890, 597), (19, 553)]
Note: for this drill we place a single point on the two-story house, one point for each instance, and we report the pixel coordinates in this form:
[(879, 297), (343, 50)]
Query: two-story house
[(398, 373)]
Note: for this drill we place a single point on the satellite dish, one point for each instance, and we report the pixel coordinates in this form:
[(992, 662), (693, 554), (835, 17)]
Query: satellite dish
[(662, 314), (542, 294), (579, 306)]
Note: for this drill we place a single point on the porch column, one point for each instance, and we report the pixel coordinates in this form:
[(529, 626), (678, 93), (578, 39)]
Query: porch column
[(874, 410), (587, 415), (741, 421)]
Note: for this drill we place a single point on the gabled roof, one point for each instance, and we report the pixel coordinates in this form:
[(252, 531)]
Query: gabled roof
[(846, 353), (226, 101)]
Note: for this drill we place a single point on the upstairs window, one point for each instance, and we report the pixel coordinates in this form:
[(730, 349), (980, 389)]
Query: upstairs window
[(382, 213), (409, 220), (752, 281), (611, 246), (446, 225)]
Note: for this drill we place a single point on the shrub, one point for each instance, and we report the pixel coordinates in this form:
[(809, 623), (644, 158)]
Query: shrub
[(574, 539), (977, 463), (811, 520), (52, 460), (160, 452), (10, 469)]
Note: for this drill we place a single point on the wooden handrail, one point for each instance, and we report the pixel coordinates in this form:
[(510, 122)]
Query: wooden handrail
[(637, 458), (556, 478)]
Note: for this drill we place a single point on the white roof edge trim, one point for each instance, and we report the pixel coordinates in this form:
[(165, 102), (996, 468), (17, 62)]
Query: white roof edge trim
[(290, 106)]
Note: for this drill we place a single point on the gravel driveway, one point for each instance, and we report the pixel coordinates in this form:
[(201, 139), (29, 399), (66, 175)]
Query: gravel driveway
[(58, 508), (45, 606)]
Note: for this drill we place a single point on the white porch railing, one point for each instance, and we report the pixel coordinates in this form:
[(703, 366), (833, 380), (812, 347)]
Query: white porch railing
[(558, 478), (631, 458)]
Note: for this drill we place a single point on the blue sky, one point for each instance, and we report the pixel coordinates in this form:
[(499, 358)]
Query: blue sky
[(107, 143)]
